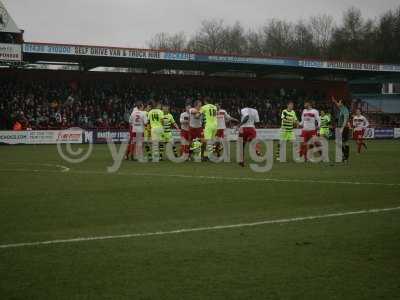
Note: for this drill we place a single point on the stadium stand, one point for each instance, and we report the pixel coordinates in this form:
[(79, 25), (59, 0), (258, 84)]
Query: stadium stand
[(39, 100)]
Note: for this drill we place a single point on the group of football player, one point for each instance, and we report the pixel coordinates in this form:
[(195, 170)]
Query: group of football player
[(202, 122), (314, 123)]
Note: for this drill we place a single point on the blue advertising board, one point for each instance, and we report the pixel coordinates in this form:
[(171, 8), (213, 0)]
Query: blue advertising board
[(384, 133), (131, 53)]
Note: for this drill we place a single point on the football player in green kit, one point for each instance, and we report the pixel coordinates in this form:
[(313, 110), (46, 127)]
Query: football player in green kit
[(289, 122)]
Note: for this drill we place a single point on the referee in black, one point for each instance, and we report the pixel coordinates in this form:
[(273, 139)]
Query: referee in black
[(342, 126)]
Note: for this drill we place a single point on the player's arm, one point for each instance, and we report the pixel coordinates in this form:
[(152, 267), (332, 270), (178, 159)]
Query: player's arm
[(161, 118), (203, 110), (244, 120), (346, 119), (302, 119), (318, 118), (195, 112), (230, 118), (296, 121), (130, 119), (257, 118), (173, 122), (335, 101), (283, 115), (145, 119)]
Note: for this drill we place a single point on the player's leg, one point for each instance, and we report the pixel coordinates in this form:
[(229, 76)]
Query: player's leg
[(191, 139), (303, 142), (168, 139), (362, 141), (185, 142), (323, 133), (209, 136), (165, 138), (162, 143), (133, 145), (139, 145), (247, 135), (306, 135), (356, 137), (147, 143), (129, 149), (286, 136), (219, 147), (242, 144), (156, 138), (345, 147), (196, 134), (282, 138), (312, 135)]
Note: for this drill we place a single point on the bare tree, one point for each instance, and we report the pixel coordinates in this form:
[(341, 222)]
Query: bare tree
[(355, 38), (348, 39), (278, 37), (209, 38), (322, 27), (234, 39), (255, 43), (303, 44), (159, 41), (164, 40), (388, 37)]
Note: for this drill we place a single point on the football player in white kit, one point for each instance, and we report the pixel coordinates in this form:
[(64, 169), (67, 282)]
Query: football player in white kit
[(137, 121), (360, 123), (310, 122), (222, 118), (196, 122), (196, 125), (247, 131), (185, 133)]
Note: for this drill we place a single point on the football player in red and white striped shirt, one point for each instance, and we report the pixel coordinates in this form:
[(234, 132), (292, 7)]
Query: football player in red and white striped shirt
[(137, 123), (360, 123), (185, 133), (310, 122), (247, 130), (222, 118), (196, 122)]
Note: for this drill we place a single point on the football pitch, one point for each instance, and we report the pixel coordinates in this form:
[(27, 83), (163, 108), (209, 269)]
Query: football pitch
[(198, 230)]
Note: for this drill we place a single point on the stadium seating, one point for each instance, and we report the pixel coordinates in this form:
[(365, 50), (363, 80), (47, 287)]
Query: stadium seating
[(40, 100)]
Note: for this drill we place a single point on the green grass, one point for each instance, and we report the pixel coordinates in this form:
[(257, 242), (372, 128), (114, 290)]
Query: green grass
[(348, 257)]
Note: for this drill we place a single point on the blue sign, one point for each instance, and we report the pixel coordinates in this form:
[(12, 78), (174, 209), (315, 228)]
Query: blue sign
[(80, 50), (384, 133)]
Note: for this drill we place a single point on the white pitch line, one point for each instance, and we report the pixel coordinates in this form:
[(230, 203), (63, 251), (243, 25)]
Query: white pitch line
[(255, 179), (61, 168), (262, 179), (196, 229)]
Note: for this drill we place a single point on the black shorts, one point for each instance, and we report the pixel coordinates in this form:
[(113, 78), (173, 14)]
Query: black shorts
[(345, 134)]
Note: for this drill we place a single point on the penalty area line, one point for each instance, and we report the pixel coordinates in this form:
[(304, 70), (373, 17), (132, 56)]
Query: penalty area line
[(198, 229)]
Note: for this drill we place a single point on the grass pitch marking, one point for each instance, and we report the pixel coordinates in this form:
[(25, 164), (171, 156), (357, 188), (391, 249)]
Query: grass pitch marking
[(65, 169), (197, 229), (60, 168), (285, 180)]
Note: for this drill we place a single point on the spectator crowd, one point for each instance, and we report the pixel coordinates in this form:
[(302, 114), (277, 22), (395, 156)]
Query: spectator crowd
[(47, 104)]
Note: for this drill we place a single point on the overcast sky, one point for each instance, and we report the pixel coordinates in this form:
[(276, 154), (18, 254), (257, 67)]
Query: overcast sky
[(131, 23)]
